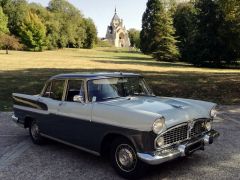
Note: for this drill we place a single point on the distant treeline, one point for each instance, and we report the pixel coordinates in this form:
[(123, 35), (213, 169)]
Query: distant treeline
[(201, 32), (31, 26)]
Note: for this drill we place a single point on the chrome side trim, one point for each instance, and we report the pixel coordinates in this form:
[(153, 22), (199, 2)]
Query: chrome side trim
[(70, 144), (30, 109)]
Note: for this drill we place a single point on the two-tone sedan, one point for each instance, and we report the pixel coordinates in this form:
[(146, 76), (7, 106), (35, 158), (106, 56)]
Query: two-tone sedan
[(116, 114)]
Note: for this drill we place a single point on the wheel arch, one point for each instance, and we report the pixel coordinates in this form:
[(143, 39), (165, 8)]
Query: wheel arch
[(27, 121), (109, 138)]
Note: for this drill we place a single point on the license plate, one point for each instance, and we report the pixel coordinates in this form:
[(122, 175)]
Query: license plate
[(194, 147)]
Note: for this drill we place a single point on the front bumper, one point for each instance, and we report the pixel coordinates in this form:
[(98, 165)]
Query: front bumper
[(183, 149), (16, 120)]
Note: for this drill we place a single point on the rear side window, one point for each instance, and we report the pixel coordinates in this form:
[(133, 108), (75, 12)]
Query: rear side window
[(47, 90), (57, 89), (75, 87)]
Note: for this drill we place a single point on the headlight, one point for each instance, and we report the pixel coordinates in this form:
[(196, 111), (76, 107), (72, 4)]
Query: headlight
[(208, 126), (159, 125), (160, 141), (213, 113)]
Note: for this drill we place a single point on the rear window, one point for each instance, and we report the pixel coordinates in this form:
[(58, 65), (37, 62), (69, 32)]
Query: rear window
[(54, 90)]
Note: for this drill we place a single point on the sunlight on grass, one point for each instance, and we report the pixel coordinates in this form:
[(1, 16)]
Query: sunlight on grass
[(25, 72), (94, 59)]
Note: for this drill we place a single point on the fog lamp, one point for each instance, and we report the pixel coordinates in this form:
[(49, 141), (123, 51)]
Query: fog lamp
[(208, 126), (160, 141)]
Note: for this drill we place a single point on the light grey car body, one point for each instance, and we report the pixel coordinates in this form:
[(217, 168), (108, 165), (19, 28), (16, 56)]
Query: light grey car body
[(131, 117), (140, 112)]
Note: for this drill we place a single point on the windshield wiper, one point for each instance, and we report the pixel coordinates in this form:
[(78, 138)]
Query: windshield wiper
[(148, 95)]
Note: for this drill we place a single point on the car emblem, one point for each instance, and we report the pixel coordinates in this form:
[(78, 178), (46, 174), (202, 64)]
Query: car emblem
[(177, 106), (190, 124)]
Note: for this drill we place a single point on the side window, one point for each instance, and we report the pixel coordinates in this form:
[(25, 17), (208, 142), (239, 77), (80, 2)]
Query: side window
[(47, 90), (75, 87), (57, 89)]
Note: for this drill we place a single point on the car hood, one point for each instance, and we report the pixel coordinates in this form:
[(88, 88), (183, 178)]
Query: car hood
[(174, 110)]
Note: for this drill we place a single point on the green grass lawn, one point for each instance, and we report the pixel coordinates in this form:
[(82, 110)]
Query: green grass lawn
[(26, 72)]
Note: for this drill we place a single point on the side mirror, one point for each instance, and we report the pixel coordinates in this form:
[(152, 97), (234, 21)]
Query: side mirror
[(78, 98)]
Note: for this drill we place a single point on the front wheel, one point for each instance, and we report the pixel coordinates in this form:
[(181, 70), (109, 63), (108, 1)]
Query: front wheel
[(125, 161), (35, 133)]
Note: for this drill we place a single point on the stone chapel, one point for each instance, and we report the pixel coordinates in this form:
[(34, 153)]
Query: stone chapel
[(117, 34)]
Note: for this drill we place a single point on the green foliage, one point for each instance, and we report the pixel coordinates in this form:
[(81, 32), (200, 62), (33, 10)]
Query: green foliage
[(9, 42), (16, 10), (59, 25), (33, 32), (91, 34), (157, 35), (207, 47), (230, 30), (103, 43), (69, 24), (62, 6), (3, 22), (185, 25), (208, 32), (51, 23), (134, 37)]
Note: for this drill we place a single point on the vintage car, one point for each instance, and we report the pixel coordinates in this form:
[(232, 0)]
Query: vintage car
[(116, 114)]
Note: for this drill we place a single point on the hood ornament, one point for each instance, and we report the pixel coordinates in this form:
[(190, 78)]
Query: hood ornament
[(190, 125), (177, 106)]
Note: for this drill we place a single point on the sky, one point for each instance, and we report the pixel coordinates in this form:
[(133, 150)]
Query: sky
[(102, 11)]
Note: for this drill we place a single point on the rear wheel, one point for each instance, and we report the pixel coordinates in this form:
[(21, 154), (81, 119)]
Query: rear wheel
[(125, 161), (35, 133)]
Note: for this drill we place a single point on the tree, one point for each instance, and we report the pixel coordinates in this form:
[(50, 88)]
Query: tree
[(9, 42), (208, 47), (33, 32), (91, 34), (16, 10), (3, 22), (208, 32), (72, 26), (157, 35), (59, 25), (185, 25), (230, 30), (134, 37), (51, 23)]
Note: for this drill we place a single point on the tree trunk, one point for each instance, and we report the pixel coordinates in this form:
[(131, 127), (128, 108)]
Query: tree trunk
[(6, 50)]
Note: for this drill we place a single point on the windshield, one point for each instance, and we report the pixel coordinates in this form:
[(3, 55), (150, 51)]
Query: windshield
[(111, 88)]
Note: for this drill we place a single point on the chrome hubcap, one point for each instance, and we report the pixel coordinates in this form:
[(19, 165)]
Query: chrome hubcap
[(126, 157), (34, 130)]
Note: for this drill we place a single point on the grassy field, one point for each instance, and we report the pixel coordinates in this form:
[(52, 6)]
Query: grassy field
[(26, 72)]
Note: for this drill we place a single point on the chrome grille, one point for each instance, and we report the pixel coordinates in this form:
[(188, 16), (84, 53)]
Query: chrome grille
[(176, 134), (182, 132), (198, 128)]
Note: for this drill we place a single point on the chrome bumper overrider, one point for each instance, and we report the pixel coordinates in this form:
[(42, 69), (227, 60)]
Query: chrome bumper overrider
[(16, 120), (183, 149)]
